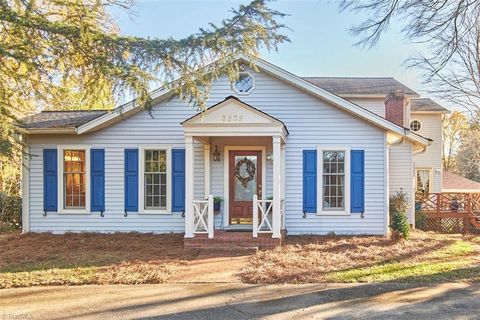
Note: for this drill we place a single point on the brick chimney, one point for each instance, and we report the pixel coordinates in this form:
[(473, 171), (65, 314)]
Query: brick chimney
[(395, 107)]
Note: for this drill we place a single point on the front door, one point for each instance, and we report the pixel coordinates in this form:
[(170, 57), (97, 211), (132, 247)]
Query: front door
[(245, 170)]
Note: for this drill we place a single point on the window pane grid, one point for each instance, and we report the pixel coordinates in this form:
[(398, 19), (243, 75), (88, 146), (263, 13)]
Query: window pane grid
[(333, 180), (155, 179), (74, 179)]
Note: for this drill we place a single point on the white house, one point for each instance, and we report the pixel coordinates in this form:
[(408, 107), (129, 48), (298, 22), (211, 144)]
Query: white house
[(305, 155)]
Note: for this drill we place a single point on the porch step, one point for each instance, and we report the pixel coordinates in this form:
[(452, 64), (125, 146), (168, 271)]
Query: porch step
[(232, 240)]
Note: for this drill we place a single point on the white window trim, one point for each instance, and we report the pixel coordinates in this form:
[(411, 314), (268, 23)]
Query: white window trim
[(410, 125), (333, 212), (60, 199), (141, 179), (234, 88), (430, 175)]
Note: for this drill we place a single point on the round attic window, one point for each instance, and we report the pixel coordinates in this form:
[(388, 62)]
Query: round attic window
[(415, 125), (244, 84)]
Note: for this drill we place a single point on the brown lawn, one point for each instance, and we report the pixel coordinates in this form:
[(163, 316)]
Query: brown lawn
[(425, 257), (89, 258), (133, 258)]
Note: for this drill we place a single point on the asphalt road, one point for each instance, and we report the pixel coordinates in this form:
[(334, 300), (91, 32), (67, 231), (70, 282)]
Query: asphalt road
[(240, 301)]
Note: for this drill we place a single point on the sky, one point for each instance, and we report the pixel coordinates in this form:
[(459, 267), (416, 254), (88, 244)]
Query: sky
[(321, 44)]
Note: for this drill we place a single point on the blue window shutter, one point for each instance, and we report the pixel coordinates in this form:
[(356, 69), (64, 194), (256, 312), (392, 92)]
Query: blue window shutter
[(357, 182), (178, 180), (50, 184), (131, 180), (310, 180), (97, 182)]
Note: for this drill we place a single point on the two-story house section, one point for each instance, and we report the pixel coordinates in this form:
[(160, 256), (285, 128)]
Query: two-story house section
[(426, 118)]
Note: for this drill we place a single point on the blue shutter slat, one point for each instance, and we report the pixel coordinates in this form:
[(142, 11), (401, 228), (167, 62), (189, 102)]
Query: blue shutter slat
[(357, 182), (131, 180), (97, 182), (50, 184), (310, 180), (178, 180)]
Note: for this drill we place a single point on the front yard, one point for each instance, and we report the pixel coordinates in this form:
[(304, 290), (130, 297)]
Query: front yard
[(76, 259), (425, 257), (87, 258)]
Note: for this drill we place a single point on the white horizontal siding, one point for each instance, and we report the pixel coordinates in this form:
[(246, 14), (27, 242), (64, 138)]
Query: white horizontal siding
[(401, 173), (310, 121), (432, 157)]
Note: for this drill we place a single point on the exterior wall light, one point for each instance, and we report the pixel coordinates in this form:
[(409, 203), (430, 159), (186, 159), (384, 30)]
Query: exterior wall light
[(269, 157), (216, 154)]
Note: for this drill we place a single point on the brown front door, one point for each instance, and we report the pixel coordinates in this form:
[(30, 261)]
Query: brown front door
[(245, 170)]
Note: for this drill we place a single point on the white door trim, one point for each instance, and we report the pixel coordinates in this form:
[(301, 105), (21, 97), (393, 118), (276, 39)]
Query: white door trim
[(226, 185)]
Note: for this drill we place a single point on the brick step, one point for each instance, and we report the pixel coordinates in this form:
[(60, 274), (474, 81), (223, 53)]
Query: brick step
[(230, 245), (227, 240)]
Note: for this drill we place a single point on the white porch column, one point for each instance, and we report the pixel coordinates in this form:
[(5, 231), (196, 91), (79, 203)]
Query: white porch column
[(277, 187), (206, 157), (282, 182), (189, 185)]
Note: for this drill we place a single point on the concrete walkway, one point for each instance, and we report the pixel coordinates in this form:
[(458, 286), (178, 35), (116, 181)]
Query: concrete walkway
[(239, 301), (213, 266)]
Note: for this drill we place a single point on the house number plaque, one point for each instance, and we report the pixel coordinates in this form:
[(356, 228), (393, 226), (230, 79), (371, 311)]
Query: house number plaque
[(232, 118)]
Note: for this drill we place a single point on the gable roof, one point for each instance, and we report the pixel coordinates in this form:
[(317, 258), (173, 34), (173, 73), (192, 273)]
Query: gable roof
[(426, 105), (361, 86), (159, 94), (215, 106), (456, 183), (60, 119)]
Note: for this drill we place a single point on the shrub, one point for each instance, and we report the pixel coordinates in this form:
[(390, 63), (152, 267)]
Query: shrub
[(398, 214), (10, 212), (420, 220)]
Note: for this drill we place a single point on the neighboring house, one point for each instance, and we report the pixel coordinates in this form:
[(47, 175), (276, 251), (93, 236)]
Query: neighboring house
[(318, 155)]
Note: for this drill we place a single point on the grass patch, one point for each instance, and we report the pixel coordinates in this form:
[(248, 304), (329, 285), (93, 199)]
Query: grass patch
[(88, 258), (425, 257), (440, 265)]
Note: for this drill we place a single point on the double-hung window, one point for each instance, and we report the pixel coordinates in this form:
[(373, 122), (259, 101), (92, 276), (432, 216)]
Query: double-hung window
[(154, 180), (73, 179), (423, 181), (334, 169)]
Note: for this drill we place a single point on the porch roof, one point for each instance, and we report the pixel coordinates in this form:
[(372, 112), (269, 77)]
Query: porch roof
[(233, 117)]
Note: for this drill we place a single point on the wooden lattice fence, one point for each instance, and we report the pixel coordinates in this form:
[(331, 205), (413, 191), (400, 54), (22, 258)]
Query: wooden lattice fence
[(449, 212)]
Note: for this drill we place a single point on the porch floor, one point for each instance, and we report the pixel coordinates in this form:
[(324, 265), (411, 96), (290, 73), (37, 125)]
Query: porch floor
[(228, 240)]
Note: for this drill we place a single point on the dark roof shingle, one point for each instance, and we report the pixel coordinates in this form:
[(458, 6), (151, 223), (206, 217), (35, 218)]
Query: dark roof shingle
[(425, 105), (60, 119), (362, 86)]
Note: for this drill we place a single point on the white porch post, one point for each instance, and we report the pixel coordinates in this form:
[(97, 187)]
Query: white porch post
[(282, 182), (277, 168), (206, 157), (189, 184)]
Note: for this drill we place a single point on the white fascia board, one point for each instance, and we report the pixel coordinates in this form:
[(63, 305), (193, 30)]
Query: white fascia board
[(415, 138), (432, 112), (33, 131)]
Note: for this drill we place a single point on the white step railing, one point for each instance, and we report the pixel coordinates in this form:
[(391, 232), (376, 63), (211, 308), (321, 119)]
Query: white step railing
[(262, 216), (282, 214), (203, 216)]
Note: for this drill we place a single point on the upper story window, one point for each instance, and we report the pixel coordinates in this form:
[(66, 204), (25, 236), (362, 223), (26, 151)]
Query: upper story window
[(155, 179), (415, 125), (244, 84), (333, 180)]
